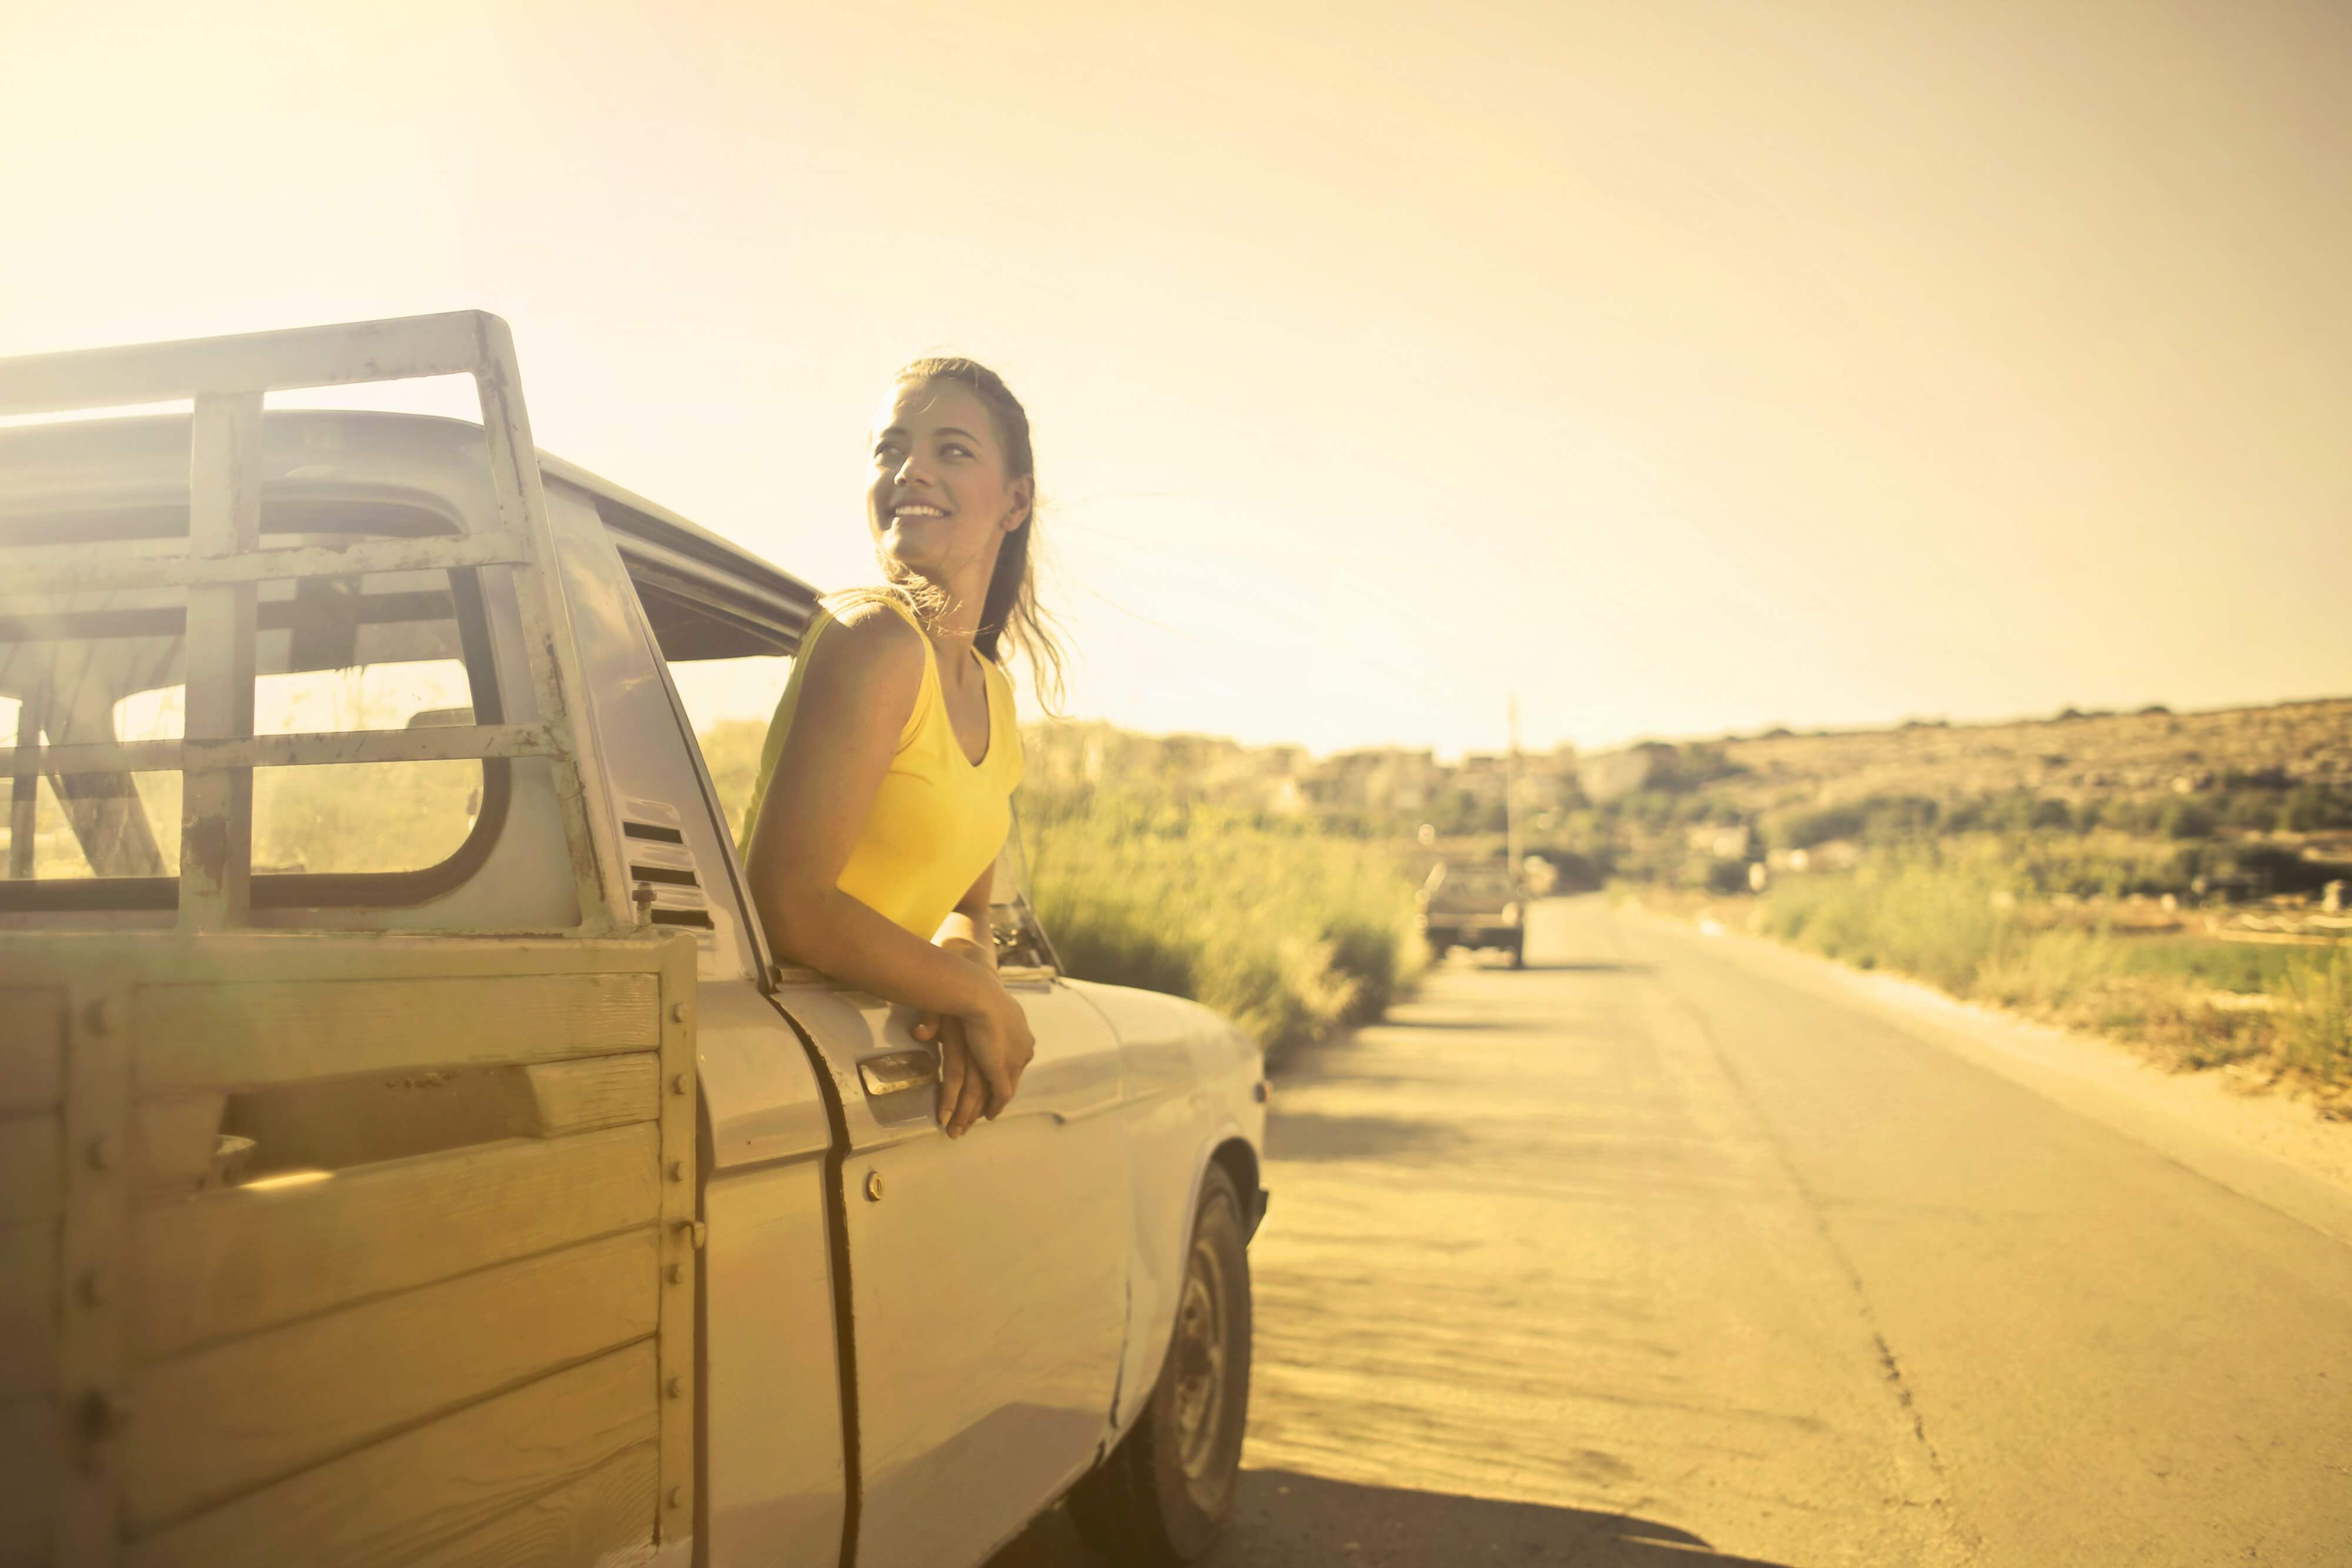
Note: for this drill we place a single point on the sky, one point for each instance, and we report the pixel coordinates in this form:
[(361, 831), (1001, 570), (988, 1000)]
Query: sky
[(1674, 368)]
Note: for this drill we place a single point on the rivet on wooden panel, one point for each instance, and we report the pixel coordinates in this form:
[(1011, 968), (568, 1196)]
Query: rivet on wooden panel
[(100, 1150), (677, 1083), (677, 1012), (674, 1388), (678, 1170)]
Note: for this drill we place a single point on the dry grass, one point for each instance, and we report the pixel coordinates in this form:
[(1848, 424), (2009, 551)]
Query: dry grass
[(1959, 920)]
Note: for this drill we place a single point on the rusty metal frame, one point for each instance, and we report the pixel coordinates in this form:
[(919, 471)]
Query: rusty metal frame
[(223, 562)]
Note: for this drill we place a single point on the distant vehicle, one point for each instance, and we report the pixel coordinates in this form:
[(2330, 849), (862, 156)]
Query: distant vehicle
[(411, 1151), (1475, 903)]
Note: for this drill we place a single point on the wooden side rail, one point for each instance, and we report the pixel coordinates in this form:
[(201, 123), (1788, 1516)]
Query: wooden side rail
[(222, 561), (444, 1311)]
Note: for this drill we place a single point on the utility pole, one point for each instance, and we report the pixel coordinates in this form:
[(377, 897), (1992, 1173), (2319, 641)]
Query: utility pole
[(1512, 848)]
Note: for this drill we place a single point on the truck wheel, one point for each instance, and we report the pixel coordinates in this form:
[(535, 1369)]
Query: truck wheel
[(1519, 951), (1160, 1496)]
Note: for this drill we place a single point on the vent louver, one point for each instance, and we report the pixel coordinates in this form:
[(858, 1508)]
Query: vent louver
[(662, 873)]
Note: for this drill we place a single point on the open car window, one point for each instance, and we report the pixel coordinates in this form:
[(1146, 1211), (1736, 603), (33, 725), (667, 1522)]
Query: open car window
[(729, 637)]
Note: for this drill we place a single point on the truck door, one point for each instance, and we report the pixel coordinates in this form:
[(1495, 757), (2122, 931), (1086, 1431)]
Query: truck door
[(988, 1274)]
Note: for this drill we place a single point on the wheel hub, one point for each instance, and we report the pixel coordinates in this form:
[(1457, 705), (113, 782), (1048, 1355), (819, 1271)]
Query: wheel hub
[(1200, 1356)]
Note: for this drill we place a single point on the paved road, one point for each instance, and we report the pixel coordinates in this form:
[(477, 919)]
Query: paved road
[(1648, 1257)]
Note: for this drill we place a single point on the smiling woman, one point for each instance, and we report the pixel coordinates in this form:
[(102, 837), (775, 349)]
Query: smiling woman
[(885, 787)]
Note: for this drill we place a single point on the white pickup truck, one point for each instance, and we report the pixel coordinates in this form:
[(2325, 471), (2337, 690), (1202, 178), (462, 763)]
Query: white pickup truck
[(410, 1150)]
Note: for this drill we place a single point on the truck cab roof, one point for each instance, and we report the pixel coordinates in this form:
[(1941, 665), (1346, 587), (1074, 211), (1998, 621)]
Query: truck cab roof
[(708, 597)]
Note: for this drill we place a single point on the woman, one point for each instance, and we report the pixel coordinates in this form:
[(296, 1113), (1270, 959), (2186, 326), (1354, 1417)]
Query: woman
[(885, 785)]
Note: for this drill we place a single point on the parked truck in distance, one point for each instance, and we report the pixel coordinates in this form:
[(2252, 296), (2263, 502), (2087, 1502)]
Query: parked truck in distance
[(1475, 903), (411, 1151)]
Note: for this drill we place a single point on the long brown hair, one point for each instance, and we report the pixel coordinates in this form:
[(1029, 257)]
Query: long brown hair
[(1011, 619)]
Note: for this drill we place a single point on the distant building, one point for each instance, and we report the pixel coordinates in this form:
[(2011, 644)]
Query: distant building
[(1615, 773)]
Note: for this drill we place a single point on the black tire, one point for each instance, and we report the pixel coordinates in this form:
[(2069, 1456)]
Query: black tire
[(1160, 1499), (1519, 952)]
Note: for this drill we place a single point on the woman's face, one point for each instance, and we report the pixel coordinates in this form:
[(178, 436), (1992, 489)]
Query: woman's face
[(940, 502)]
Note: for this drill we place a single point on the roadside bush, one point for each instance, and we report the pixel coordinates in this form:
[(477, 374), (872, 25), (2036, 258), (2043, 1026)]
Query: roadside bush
[(2315, 808), (1912, 914), (730, 749), (1812, 826), (2185, 819), (1291, 934), (2315, 1023), (1978, 920)]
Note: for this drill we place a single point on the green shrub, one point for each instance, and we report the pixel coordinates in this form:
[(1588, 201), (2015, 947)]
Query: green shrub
[(1291, 934), (2315, 1021), (2315, 808), (2185, 819)]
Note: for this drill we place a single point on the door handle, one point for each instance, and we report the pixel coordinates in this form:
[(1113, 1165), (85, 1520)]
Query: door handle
[(898, 1070)]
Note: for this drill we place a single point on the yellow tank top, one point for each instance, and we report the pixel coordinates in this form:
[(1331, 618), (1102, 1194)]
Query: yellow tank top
[(940, 819)]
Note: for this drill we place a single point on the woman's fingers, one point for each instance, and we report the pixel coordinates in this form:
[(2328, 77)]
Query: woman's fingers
[(1020, 1045), (968, 1105), (955, 1068), (963, 1091), (985, 1035), (926, 1027)]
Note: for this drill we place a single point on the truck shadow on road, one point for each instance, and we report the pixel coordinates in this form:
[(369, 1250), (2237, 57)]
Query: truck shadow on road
[(1306, 1135), (1284, 1520)]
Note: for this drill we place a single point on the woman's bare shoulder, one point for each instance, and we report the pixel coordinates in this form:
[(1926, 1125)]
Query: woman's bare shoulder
[(870, 651)]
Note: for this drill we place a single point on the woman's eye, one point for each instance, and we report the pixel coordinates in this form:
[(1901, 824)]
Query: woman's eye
[(953, 449)]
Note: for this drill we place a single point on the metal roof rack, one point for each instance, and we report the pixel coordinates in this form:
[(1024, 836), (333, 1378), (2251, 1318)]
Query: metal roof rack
[(222, 561)]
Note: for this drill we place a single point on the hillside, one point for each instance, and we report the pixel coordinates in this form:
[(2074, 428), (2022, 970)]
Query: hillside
[(2242, 800), (2073, 759), (2176, 881)]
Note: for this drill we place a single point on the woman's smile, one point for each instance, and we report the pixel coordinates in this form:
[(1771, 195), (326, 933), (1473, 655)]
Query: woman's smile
[(941, 500)]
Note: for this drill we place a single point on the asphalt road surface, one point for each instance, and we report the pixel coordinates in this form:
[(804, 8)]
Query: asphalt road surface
[(1649, 1256)]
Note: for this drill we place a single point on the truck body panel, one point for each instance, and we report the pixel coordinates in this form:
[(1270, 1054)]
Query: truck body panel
[(485, 1229)]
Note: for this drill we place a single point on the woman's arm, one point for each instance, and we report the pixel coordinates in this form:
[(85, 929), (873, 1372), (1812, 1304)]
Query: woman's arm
[(966, 932), (861, 682)]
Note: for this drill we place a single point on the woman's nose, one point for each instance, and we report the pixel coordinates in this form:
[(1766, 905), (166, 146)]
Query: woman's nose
[(910, 470)]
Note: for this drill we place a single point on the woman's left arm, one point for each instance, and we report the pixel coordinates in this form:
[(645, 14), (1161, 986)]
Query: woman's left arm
[(966, 932)]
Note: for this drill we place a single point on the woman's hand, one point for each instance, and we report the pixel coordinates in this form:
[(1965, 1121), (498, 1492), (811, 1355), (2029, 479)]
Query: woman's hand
[(998, 1046), (982, 1052), (963, 1092)]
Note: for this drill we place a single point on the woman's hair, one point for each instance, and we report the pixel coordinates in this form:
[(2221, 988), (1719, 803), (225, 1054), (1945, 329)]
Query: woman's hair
[(1010, 613)]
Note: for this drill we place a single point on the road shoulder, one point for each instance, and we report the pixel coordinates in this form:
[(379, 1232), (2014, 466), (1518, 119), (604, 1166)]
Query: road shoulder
[(2271, 1149)]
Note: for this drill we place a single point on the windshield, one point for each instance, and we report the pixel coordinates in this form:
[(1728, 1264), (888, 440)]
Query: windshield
[(1473, 882)]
